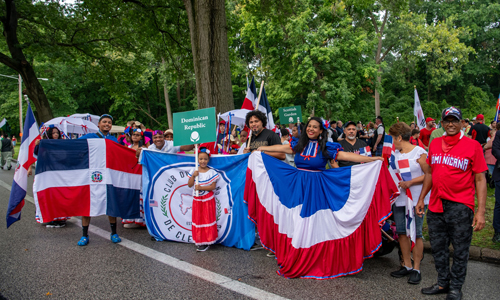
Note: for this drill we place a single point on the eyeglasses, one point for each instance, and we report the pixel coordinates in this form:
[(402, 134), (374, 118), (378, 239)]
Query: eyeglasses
[(454, 122)]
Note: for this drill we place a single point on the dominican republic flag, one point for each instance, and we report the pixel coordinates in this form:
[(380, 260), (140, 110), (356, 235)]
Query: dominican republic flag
[(251, 97), (400, 171), (365, 151), (168, 198), (388, 146), (320, 225), (24, 160), (497, 114), (265, 107), (88, 177)]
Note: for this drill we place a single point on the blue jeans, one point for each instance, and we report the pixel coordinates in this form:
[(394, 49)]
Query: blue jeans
[(496, 210), (399, 213)]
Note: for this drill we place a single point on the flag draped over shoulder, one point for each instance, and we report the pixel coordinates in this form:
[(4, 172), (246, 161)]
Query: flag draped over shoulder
[(89, 177), (168, 199), (320, 225), (24, 160)]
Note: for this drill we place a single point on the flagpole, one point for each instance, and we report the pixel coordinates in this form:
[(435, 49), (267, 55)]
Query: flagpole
[(256, 108), (196, 168)]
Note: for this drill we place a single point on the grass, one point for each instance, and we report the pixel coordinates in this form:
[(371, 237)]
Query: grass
[(480, 238)]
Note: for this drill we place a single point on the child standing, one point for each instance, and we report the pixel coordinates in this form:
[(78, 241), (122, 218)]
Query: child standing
[(204, 224)]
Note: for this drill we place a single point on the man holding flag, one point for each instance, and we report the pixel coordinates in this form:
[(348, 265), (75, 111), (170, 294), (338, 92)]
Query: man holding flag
[(24, 160), (456, 173)]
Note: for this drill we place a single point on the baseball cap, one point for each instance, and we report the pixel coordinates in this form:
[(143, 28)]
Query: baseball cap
[(429, 119), (480, 117), (474, 119), (169, 131), (222, 122), (350, 123), (451, 111)]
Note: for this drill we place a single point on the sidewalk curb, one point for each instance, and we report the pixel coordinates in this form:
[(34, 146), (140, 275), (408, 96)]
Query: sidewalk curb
[(475, 253)]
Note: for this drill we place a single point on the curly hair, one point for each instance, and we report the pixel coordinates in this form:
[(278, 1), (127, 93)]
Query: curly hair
[(304, 139), (259, 115)]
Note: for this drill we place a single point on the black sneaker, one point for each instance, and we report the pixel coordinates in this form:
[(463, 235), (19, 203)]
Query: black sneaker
[(496, 237), (415, 277), (202, 248), (56, 224), (402, 272)]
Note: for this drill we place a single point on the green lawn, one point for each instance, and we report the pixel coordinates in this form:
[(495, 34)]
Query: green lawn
[(480, 238)]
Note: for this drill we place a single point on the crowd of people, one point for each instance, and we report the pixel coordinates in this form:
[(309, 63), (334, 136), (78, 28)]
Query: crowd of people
[(449, 164)]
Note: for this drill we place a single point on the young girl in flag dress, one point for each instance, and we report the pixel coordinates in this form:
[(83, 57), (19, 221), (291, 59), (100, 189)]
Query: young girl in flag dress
[(204, 224)]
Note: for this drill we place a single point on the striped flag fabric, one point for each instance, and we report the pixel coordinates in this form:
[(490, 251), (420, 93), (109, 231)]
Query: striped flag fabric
[(365, 151), (87, 177), (388, 146), (404, 169), (497, 114), (320, 225), (251, 97), (24, 160), (3, 122), (265, 107)]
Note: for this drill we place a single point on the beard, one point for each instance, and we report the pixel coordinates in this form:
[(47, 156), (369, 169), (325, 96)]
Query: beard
[(351, 137)]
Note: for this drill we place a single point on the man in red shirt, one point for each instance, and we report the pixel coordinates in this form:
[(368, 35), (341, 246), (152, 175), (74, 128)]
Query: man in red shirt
[(455, 175), (425, 133)]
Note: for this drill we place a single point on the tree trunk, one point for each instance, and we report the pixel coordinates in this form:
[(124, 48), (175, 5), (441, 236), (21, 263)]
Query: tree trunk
[(208, 30), (18, 63), (167, 100)]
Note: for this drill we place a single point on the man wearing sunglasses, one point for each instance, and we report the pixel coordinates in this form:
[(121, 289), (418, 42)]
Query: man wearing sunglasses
[(456, 174)]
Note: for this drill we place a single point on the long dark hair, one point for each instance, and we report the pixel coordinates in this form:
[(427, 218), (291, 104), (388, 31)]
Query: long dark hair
[(51, 130), (304, 139)]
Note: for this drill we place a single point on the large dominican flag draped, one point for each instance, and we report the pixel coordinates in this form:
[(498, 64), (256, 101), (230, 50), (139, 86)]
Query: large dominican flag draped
[(89, 177), (24, 160), (168, 199), (320, 225)]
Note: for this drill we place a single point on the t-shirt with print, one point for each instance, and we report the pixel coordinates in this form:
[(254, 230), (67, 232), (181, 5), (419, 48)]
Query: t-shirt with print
[(348, 147), (265, 138), (453, 172)]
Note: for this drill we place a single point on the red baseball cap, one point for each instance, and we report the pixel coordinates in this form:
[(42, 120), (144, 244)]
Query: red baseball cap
[(480, 117), (222, 122), (429, 119)]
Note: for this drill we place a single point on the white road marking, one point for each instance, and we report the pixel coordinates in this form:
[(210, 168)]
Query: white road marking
[(223, 281)]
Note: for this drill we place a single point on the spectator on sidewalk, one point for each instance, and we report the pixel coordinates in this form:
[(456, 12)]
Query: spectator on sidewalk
[(456, 175), (7, 149)]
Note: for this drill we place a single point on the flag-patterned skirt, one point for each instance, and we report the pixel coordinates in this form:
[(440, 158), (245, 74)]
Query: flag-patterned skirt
[(204, 224)]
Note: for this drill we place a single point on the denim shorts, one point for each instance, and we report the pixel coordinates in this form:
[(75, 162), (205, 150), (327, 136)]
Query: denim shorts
[(399, 213)]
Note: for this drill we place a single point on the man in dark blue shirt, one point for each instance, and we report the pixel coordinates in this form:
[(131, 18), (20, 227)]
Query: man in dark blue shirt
[(105, 123)]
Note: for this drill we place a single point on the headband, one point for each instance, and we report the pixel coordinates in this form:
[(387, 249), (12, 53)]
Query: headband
[(138, 130), (205, 150), (157, 132)]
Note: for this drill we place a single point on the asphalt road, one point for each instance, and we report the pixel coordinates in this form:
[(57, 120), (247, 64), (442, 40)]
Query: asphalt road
[(45, 263)]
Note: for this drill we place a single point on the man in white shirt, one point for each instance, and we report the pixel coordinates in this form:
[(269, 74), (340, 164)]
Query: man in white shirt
[(162, 145)]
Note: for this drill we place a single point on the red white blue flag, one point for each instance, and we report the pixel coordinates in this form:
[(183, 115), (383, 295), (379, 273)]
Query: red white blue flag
[(24, 160), (320, 225), (497, 114), (365, 151), (88, 177), (265, 107), (251, 97)]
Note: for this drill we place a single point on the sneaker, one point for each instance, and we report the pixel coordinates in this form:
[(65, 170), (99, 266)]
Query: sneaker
[(402, 272), (51, 224), (56, 224), (270, 254), (9, 168), (202, 248), (415, 277), (496, 237), (84, 241), (131, 225), (256, 247), (115, 238)]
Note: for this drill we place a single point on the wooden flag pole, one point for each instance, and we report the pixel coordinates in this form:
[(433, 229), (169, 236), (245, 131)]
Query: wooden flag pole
[(197, 193), (256, 108)]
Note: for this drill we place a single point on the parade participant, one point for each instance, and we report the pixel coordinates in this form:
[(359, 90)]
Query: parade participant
[(351, 143), (490, 160), (169, 135), (378, 137), (163, 145), (7, 150), (455, 175), (221, 134), (105, 124), (479, 131), (425, 133), (285, 136), (243, 138), (416, 157), (204, 224), (312, 151), (137, 139), (261, 136), (414, 139), (495, 150)]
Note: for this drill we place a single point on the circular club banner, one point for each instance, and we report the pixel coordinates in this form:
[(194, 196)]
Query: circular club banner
[(170, 199)]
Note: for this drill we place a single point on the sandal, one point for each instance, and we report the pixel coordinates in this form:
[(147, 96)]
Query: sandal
[(83, 241), (115, 238)]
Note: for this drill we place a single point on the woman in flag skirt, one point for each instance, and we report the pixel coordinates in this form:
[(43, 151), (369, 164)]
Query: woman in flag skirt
[(325, 223), (204, 223), (409, 162)]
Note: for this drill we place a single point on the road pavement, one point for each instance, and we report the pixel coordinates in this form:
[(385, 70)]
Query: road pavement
[(45, 263)]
